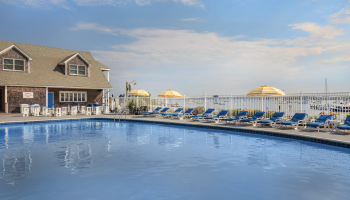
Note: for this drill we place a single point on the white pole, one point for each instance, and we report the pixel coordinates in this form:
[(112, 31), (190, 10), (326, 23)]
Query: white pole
[(262, 103), (47, 98), (150, 103), (301, 103), (231, 105), (6, 104), (184, 103), (205, 102)]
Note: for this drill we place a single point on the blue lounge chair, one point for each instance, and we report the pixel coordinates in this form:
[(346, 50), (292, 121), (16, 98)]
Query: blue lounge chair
[(258, 116), (152, 112), (298, 118), (183, 115), (170, 114), (206, 114), (160, 112), (217, 118), (345, 126), (323, 120), (241, 115), (276, 117)]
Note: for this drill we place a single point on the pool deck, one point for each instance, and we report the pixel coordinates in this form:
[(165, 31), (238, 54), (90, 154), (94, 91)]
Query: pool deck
[(328, 136)]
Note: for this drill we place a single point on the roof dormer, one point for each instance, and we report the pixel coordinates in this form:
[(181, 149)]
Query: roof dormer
[(76, 65), (14, 59)]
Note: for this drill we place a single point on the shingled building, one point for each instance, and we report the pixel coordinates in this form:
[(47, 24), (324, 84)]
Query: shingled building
[(39, 74)]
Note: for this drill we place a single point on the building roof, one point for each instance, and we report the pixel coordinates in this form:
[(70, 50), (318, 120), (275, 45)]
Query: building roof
[(46, 71)]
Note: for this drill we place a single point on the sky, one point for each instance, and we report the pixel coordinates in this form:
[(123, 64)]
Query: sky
[(196, 47)]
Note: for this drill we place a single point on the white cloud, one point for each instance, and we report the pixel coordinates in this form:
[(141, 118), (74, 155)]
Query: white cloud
[(190, 20), (318, 31), (204, 59), (44, 4), (341, 17), (40, 4), (95, 27), (191, 3)]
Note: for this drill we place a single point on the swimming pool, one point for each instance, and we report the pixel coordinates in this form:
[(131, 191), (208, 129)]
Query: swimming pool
[(102, 160)]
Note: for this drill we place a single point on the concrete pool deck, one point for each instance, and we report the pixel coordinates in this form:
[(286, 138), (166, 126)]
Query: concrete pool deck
[(303, 133)]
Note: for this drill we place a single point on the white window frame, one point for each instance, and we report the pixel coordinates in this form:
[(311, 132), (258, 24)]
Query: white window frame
[(77, 74), (72, 93), (14, 64)]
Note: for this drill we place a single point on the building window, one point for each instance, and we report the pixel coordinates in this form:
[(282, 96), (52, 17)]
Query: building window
[(73, 97), (13, 64), (77, 70)]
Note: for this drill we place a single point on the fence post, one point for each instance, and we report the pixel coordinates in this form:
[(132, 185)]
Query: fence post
[(150, 103), (301, 103), (205, 102), (231, 105), (184, 103)]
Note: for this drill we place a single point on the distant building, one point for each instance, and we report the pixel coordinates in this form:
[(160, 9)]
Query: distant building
[(39, 74)]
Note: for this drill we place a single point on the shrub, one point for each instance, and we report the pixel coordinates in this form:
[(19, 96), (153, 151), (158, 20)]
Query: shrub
[(198, 110)]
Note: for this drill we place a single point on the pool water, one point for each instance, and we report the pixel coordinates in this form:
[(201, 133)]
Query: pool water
[(103, 160)]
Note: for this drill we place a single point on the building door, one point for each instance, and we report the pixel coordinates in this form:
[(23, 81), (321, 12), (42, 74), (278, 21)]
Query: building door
[(1, 100), (50, 99)]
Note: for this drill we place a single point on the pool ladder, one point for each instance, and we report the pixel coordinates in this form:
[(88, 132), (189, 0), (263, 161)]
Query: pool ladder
[(124, 112)]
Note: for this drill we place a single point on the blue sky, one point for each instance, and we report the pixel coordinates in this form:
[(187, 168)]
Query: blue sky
[(196, 46)]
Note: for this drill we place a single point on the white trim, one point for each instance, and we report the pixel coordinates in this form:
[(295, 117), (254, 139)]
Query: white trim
[(14, 46), (71, 92), (104, 69), (77, 74), (47, 96), (77, 54), (14, 65), (56, 86), (6, 104)]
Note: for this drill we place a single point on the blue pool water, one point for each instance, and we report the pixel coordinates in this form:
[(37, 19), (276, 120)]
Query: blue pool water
[(103, 160)]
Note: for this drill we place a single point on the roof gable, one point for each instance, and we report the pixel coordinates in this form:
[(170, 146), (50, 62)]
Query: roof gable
[(66, 60), (14, 46)]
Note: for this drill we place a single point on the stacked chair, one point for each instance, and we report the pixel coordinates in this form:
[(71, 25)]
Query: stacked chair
[(181, 116), (217, 118), (206, 114)]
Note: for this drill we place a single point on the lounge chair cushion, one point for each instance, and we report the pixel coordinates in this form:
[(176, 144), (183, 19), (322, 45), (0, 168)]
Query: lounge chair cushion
[(314, 124), (247, 120), (288, 123), (344, 127), (240, 115), (267, 121)]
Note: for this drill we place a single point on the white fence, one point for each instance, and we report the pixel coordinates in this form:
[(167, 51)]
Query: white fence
[(314, 104)]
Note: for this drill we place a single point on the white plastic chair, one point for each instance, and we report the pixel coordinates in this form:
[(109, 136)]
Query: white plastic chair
[(88, 110), (106, 109), (64, 110), (97, 110), (73, 110), (83, 109), (25, 111), (58, 112), (47, 111)]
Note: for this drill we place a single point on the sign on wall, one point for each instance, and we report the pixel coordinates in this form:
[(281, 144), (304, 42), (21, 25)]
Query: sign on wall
[(27, 94)]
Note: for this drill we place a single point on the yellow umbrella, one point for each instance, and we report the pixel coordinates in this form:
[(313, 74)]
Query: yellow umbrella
[(264, 91), (170, 94), (138, 92)]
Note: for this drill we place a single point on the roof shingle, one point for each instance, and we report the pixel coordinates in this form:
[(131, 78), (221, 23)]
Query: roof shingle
[(45, 69)]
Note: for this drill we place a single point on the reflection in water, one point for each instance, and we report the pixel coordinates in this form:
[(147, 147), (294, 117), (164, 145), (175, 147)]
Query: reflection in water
[(77, 157), (15, 166), (136, 160)]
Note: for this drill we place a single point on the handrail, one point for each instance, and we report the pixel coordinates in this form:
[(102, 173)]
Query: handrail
[(120, 115)]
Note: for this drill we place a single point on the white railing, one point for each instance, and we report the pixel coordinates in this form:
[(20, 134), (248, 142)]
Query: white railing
[(314, 104)]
